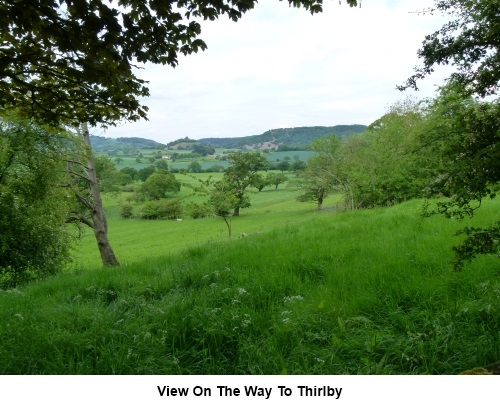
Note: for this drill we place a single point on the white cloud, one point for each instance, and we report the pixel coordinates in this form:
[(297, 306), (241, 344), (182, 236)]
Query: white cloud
[(282, 67)]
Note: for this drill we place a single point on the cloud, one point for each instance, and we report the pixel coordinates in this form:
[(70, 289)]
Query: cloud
[(282, 67)]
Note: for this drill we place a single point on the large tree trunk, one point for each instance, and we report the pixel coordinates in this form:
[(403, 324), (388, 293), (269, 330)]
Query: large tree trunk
[(236, 212), (99, 223)]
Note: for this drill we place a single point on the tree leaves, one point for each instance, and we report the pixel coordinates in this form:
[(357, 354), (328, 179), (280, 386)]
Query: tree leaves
[(470, 42), (71, 61)]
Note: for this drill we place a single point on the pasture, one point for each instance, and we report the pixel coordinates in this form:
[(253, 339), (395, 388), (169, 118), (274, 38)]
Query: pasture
[(305, 292)]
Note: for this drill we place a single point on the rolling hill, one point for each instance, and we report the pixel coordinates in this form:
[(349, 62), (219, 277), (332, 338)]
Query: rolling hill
[(292, 138), (297, 138)]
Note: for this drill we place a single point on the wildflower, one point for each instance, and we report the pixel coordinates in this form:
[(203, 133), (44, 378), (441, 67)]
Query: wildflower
[(293, 298)]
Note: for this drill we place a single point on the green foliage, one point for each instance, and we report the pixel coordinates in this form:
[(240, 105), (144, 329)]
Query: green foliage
[(180, 141), (464, 134), (145, 172), (160, 209), (478, 241), (110, 179), (197, 211), (78, 57), (194, 167), (203, 149), (276, 179), (215, 169), (34, 241), (324, 173), (126, 211), (242, 173), (298, 166), (385, 166), (470, 42), (288, 138), (366, 292), (130, 171), (162, 164), (127, 146), (260, 182), (284, 165), (223, 197), (158, 184)]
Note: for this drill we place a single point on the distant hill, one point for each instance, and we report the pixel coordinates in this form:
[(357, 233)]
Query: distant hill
[(102, 144), (283, 138), (296, 138)]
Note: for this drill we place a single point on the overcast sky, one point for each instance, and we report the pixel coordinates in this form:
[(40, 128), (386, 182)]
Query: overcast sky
[(280, 67)]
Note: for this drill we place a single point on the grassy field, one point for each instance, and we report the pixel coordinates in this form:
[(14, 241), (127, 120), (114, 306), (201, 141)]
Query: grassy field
[(205, 162), (270, 209), (306, 292)]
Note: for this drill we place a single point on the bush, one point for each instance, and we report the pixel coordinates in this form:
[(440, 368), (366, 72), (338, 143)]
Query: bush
[(197, 211), (160, 209), (126, 211), (34, 240)]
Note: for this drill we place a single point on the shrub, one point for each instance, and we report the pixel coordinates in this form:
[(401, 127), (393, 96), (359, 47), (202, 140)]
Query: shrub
[(126, 211), (197, 211), (34, 240), (160, 209)]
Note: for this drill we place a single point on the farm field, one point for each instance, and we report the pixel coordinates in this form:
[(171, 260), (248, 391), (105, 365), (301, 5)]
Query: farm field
[(305, 292)]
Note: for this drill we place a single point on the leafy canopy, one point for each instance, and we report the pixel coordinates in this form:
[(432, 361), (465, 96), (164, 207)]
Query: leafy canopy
[(72, 61), (34, 241), (470, 42)]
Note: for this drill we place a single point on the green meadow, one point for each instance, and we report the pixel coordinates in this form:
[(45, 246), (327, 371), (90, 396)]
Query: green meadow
[(303, 292)]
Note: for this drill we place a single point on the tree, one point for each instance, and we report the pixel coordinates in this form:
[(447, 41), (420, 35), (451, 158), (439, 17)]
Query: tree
[(145, 172), (223, 198), (314, 191), (243, 172), (130, 171), (72, 61), (194, 167), (34, 240), (84, 183), (470, 42), (276, 179), (162, 164), (159, 183), (385, 166), (298, 166), (326, 171), (203, 149), (260, 182), (108, 176), (284, 165), (469, 138), (464, 134)]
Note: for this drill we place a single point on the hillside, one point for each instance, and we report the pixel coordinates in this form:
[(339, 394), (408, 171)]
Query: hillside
[(289, 138), (315, 293), (102, 144), (298, 137)]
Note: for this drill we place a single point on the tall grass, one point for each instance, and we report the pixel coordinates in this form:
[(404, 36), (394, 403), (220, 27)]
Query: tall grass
[(369, 292)]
